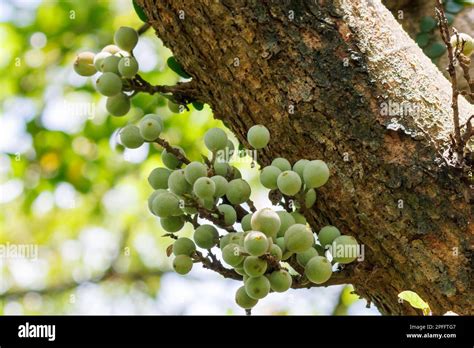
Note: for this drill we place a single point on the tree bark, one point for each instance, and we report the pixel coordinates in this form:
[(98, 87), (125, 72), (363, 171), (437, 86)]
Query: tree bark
[(317, 74)]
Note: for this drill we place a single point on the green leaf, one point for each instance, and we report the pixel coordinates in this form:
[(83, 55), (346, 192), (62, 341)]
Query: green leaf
[(177, 68), (141, 14), (423, 39), (453, 7), (435, 50), (415, 301), (427, 24), (198, 105)]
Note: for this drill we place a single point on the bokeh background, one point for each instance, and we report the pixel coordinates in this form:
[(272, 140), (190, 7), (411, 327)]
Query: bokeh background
[(67, 187)]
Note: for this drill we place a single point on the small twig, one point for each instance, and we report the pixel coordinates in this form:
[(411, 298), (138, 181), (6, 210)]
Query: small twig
[(143, 28), (163, 143)]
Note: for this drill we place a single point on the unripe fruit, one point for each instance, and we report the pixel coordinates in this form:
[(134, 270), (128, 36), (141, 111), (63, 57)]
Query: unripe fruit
[(130, 137), (257, 287), (280, 281), (232, 255), (184, 246), (258, 136), (286, 220), (221, 185), (267, 221), (118, 105), (158, 178), (222, 169), (177, 183), (194, 171), (299, 218), (215, 139), (84, 64), (244, 300), (152, 197), (99, 58), (256, 243), (345, 249), (109, 84), (233, 237), (150, 128), (174, 108), (315, 174), (298, 238), (468, 47), (280, 241), (238, 191), (206, 236), (305, 256), (182, 264), (245, 223), (318, 270), (128, 67), (276, 252), (230, 216), (110, 64), (172, 223), (299, 166), (289, 183), (281, 163), (170, 160), (126, 38), (112, 49), (254, 266), (310, 198), (327, 234), (204, 188), (207, 202), (166, 204), (155, 117), (236, 174), (240, 270), (269, 176)]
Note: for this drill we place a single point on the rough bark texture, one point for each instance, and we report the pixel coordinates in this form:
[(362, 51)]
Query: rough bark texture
[(335, 63)]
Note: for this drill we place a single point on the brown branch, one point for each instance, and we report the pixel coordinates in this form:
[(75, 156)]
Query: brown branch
[(216, 266), (143, 28), (163, 143)]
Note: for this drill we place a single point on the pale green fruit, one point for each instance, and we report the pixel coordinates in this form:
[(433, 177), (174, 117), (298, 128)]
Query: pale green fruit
[(170, 160), (126, 38), (269, 176), (238, 191), (240, 270), (257, 287), (310, 198), (344, 249), (276, 252), (112, 49), (204, 188), (246, 222), (150, 128), (172, 223), (286, 220), (99, 58), (299, 166), (166, 204), (128, 67), (299, 218), (236, 174), (182, 264), (207, 202), (280, 241), (244, 300), (258, 136), (206, 236), (177, 183), (267, 221), (286, 255), (130, 137), (327, 234), (298, 238), (221, 185), (155, 117), (110, 64), (109, 84), (84, 64), (315, 174), (254, 266), (118, 105), (215, 139), (233, 237), (152, 197), (289, 183), (184, 246), (230, 216), (318, 270), (468, 47), (281, 163), (305, 256), (256, 243), (222, 169), (158, 178), (232, 255), (194, 171), (280, 281)]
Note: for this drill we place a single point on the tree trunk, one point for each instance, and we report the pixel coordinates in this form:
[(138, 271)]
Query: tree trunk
[(319, 75)]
